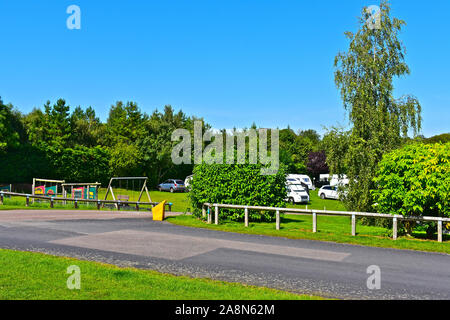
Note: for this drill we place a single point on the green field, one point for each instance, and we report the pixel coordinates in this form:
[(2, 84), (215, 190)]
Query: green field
[(35, 276)]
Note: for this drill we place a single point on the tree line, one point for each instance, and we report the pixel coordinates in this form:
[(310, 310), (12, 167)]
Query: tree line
[(56, 142)]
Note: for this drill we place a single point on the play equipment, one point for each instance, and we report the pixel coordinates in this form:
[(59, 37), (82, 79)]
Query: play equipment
[(158, 211), (127, 179), (46, 187), (85, 191), (6, 188)]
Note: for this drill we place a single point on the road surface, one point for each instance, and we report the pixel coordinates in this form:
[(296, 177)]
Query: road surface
[(302, 266)]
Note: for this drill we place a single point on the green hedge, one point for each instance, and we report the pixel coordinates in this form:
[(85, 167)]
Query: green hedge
[(237, 184)]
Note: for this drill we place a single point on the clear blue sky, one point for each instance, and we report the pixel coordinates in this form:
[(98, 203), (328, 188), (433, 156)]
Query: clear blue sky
[(233, 62)]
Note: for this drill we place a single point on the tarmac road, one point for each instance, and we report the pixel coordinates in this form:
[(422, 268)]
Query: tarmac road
[(302, 266)]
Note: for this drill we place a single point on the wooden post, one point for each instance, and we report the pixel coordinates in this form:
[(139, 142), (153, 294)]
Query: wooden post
[(246, 216), (216, 217), (278, 220), (137, 206), (439, 230), (28, 201), (314, 219), (394, 228), (353, 225), (209, 215)]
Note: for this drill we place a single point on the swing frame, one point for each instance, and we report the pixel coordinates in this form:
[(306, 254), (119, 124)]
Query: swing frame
[(144, 188)]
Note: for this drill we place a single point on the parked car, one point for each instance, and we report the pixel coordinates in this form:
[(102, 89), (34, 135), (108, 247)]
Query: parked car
[(172, 185), (296, 193), (302, 178), (330, 192)]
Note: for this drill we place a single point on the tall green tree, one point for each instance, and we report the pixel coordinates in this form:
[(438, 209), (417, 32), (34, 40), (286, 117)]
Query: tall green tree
[(364, 74), (10, 127)]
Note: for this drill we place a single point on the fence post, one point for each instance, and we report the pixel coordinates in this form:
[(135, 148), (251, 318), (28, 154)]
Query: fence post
[(209, 215), (1, 197), (246, 216), (439, 230), (314, 219), (353, 225), (394, 228), (216, 217), (51, 202), (278, 220), (98, 204), (28, 201), (118, 205), (75, 203)]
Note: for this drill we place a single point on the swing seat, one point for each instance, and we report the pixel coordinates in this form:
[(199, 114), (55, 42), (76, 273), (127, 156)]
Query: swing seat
[(158, 211)]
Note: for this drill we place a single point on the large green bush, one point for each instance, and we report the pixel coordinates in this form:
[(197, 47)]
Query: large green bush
[(414, 181), (237, 184)]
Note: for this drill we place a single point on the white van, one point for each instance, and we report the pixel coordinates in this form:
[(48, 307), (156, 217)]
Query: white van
[(296, 193), (302, 178)]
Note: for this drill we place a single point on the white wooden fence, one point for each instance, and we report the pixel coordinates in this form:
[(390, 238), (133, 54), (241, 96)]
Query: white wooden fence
[(315, 213)]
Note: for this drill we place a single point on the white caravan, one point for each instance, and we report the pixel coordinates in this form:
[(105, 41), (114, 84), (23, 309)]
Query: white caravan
[(302, 178)]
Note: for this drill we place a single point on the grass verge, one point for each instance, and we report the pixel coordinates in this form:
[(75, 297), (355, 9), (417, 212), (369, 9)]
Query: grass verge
[(35, 276)]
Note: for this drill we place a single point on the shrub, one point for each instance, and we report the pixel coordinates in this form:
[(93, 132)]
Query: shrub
[(414, 181), (240, 184)]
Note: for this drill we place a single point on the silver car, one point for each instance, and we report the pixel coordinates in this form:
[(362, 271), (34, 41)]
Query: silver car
[(172, 185)]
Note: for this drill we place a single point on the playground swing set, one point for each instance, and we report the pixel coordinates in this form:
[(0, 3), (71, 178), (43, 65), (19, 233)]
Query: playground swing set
[(126, 197)]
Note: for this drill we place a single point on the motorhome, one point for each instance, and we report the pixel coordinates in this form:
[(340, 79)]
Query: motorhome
[(296, 193), (303, 179)]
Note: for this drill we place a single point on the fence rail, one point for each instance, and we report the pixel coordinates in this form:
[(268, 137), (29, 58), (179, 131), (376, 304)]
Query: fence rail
[(99, 203), (315, 213)]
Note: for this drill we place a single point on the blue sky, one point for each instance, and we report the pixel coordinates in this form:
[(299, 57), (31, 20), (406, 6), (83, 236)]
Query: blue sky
[(233, 62)]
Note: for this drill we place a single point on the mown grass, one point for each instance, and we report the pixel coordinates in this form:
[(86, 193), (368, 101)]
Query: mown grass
[(35, 276)]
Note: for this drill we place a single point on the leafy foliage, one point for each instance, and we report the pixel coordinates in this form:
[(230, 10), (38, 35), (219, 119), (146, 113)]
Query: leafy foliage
[(365, 77), (414, 181), (237, 184)]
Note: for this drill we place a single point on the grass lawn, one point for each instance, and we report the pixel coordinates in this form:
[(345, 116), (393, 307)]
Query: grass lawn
[(26, 275)]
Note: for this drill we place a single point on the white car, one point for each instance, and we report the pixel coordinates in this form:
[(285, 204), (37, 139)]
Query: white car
[(329, 192), (296, 193), (302, 178)]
